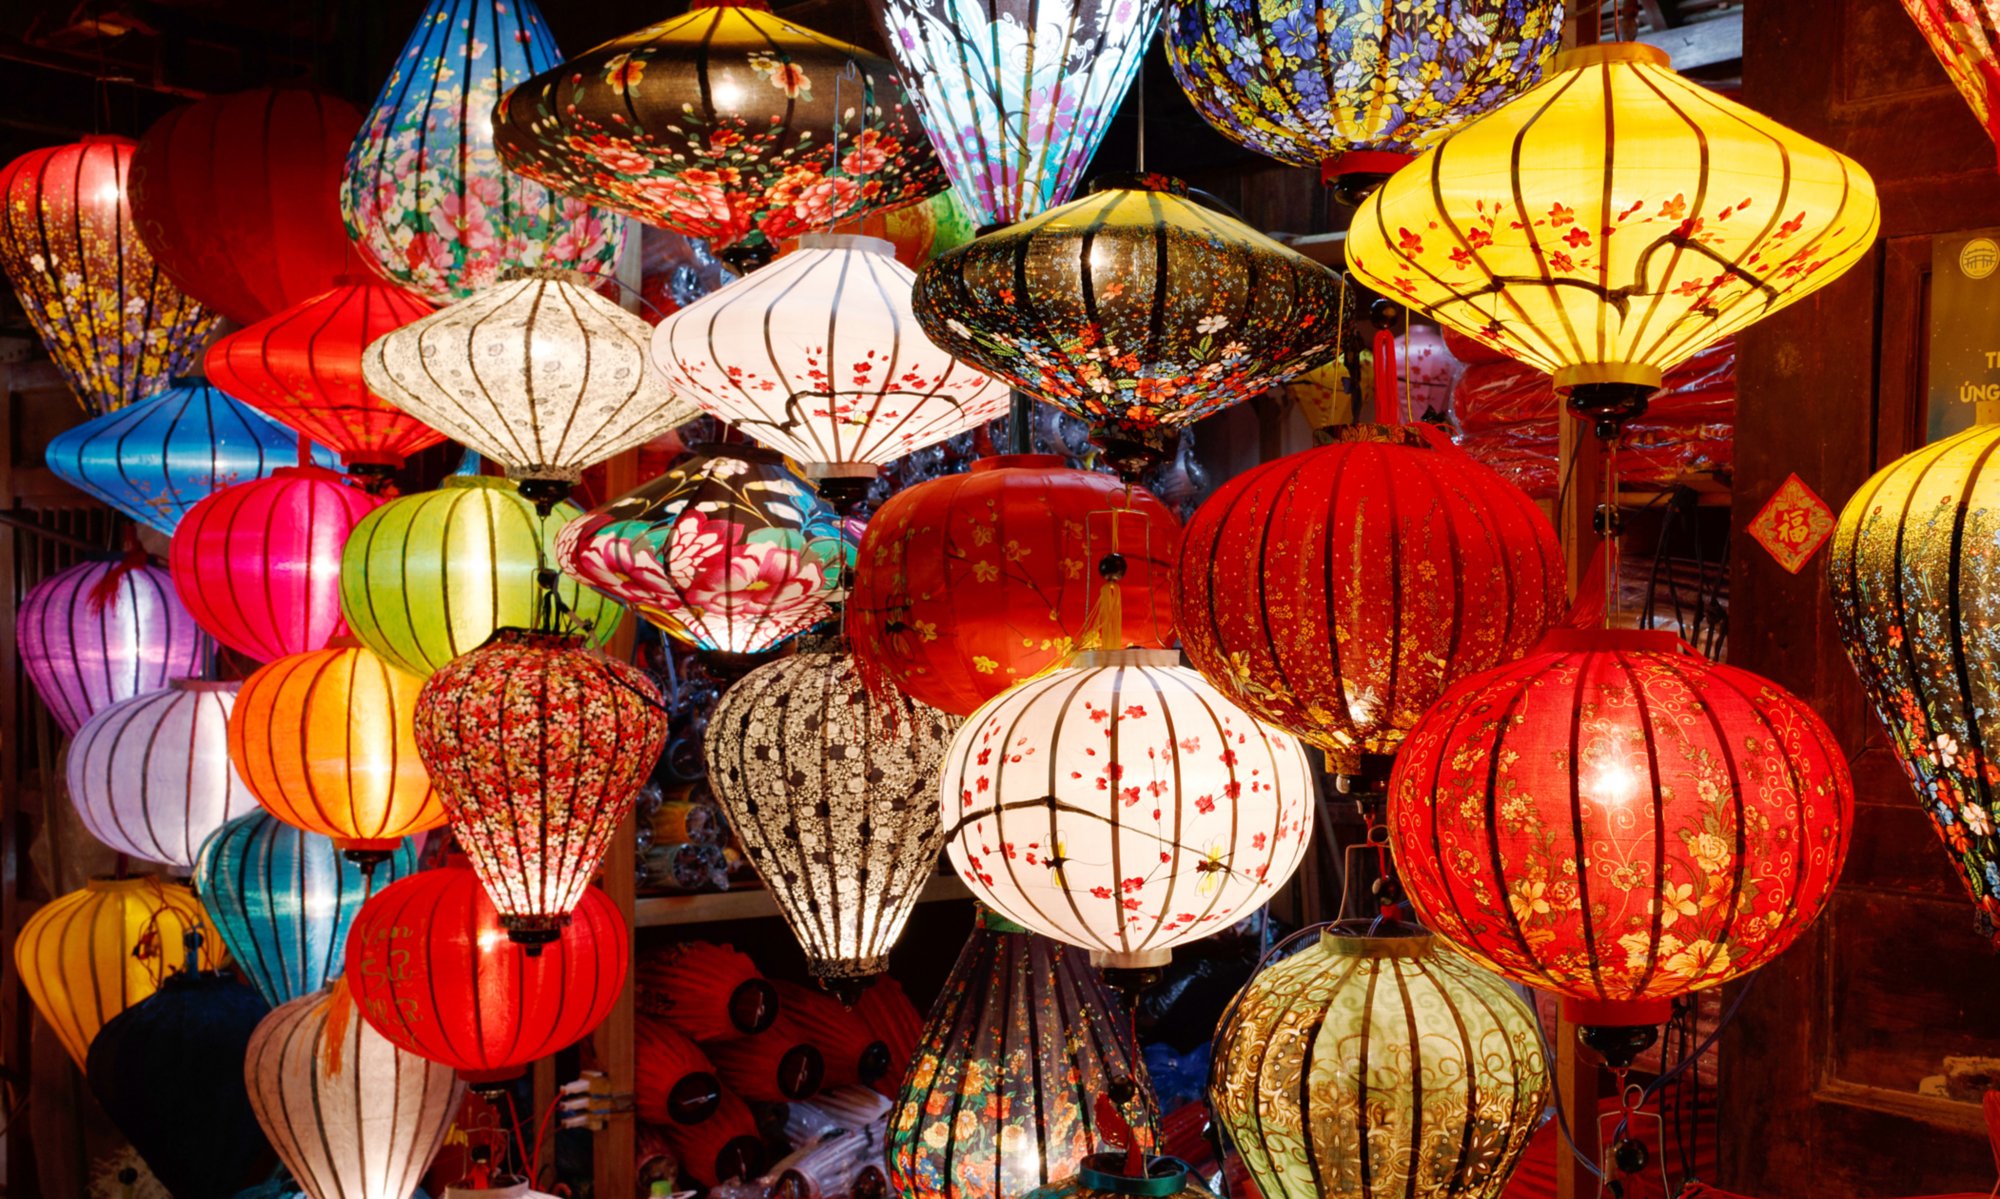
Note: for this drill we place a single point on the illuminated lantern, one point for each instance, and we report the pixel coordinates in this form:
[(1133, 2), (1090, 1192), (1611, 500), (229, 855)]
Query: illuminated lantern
[(425, 194), (1616, 819), (303, 366), (1399, 565), (1962, 34), (282, 900), (111, 320), (168, 1071), (1913, 592), (818, 357), (326, 740), (538, 372), (104, 630), (829, 789), (998, 1098), (1031, 538), (90, 954), (1610, 222), (1380, 1064), (352, 1115), (1123, 804), (1134, 309), (728, 551), (725, 123), (237, 197), (537, 748), (258, 564), (150, 775), (705, 991), (1016, 101), (430, 576), (1354, 89), (434, 970)]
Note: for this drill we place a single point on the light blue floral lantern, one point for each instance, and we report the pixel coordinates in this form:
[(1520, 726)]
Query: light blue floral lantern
[(283, 898), (155, 459)]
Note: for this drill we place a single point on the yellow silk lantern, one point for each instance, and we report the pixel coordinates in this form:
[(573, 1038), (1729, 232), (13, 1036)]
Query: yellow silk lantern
[(1611, 221), (92, 953)]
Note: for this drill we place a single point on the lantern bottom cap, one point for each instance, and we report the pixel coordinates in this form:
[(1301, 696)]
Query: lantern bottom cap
[(1615, 1012), (487, 1080), (829, 969), (1364, 162), (1142, 959), (1586, 373)]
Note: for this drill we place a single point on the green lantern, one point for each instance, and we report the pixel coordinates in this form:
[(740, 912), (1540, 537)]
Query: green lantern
[(430, 576)]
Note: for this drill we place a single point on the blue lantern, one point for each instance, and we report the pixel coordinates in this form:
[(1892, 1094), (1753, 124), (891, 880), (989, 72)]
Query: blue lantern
[(155, 459), (282, 899)]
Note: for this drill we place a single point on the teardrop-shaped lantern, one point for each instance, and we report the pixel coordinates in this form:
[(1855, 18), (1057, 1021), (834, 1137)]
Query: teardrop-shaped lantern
[(351, 1114), (426, 196), (830, 790), (537, 747), (538, 372), (1017, 100), (102, 631), (282, 900), (725, 123), (150, 776), (114, 324), (728, 551), (155, 459), (1134, 309)]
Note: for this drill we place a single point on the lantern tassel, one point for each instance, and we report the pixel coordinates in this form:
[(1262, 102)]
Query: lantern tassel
[(105, 590), (1386, 401), (1586, 611), (339, 1010)]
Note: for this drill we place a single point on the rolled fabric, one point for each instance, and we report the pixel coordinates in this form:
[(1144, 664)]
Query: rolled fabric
[(887, 1011), (694, 822), (673, 1082), (854, 1054), (706, 992), (722, 1147), (777, 1065)]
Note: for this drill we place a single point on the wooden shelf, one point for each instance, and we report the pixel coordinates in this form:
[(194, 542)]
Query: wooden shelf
[(752, 903)]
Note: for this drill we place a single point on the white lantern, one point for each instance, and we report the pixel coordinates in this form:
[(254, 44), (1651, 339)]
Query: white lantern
[(819, 357), (539, 373), (350, 1114), (1123, 805), (151, 776)]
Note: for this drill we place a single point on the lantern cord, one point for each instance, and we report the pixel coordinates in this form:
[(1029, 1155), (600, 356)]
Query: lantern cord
[(1555, 1090), (1681, 1067), (1018, 439), (542, 1129), (1139, 82), (1608, 519)]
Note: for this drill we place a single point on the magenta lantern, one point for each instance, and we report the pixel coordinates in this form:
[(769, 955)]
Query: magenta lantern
[(105, 630)]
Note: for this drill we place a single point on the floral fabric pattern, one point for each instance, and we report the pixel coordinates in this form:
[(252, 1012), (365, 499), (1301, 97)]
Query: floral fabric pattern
[(1962, 34)]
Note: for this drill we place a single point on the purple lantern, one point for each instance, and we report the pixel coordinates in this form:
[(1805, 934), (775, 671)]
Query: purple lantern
[(105, 630)]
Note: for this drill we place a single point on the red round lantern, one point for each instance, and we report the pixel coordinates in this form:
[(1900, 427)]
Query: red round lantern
[(1337, 592), (258, 564), (537, 747), (238, 197), (1618, 820), (1033, 540), (303, 366), (432, 970)]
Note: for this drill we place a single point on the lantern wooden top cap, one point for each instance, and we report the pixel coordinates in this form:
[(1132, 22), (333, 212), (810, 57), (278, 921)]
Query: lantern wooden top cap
[(847, 241), (1607, 54), (1097, 659)]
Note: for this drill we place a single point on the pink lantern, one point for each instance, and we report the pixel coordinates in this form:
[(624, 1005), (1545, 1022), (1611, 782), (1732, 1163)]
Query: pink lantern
[(103, 631)]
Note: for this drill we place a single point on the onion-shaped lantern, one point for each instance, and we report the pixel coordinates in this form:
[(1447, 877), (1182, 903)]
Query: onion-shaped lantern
[(303, 366), (1337, 592), (1620, 821), (1135, 309), (1354, 89), (728, 551), (830, 790), (1017, 100), (1039, 543), (282, 900), (114, 324), (433, 969), (430, 576), (818, 357), (998, 1098), (169, 1072), (351, 1114), (1379, 1064), (155, 459), (1123, 804), (426, 195), (88, 955), (102, 631), (238, 197), (1914, 591), (726, 123), (258, 564), (537, 748), (150, 776), (1610, 222), (1963, 36), (539, 373), (326, 740)]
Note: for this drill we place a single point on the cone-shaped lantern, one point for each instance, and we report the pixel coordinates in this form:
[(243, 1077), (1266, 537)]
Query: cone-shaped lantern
[(150, 776)]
